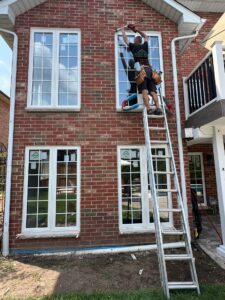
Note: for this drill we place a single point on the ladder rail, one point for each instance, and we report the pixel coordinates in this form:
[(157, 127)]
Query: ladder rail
[(162, 258), (158, 233), (180, 201)]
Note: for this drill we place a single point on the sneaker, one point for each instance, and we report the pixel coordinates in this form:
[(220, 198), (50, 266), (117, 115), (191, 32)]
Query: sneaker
[(150, 111), (158, 112)]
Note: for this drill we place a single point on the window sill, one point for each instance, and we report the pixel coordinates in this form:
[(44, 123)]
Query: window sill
[(52, 109), (136, 231), (45, 235), (144, 230)]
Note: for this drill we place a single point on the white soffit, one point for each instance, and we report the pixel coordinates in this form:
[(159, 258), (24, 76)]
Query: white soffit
[(204, 5)]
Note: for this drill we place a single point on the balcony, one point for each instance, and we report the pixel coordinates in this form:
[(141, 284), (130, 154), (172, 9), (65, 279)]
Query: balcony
[(204, 90)]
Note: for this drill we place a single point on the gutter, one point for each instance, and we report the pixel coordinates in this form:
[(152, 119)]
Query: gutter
[(178, 119), (5, 238)]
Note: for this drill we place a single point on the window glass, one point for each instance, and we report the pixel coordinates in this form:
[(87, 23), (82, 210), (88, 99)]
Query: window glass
[(126, 70), (52, 197), (56, 69), (196, 175)]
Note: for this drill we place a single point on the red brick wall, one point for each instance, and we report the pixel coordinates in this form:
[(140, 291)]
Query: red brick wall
[(209, 168), (4, 119)]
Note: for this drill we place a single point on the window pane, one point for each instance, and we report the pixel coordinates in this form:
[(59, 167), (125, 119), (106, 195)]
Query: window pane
[(161, 181), (68, 75), (131, 188), (196, 175), (66, 189), (126, 71), (38, 186), (42, 69)]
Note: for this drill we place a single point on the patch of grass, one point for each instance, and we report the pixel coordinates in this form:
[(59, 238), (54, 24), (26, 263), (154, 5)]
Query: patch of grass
[(7, 265), (208, 292)]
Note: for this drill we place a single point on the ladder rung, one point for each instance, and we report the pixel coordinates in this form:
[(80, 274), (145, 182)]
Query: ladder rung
[(182, 285), (159, 142), (157, 128), (178, 257), (155, 116), (170, 210), (172, 231), (166, 190), (161, 156), (161, 172)]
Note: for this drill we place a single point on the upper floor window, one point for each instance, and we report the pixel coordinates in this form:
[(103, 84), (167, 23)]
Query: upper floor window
[(125, 84), (54, 69)]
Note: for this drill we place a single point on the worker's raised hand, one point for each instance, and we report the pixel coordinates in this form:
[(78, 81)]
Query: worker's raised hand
[(132, 27)]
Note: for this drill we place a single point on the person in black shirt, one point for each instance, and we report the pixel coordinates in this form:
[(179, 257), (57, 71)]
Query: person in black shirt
[(140, 54)]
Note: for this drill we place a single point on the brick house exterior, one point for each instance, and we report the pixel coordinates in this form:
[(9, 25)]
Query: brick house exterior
[(97, 131)]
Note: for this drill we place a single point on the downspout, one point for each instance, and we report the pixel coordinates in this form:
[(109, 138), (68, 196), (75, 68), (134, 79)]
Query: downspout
[(177, 105), (5, 238)]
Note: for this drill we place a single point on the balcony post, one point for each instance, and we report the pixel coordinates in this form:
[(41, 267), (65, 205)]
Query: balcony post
[(219, 72), (219, 157)]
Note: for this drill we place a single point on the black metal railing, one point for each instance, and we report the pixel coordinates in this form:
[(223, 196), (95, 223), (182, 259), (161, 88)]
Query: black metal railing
[(201, 85)]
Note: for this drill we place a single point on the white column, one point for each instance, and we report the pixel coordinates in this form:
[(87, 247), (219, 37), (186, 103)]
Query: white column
[(218, 62), (219, 158)]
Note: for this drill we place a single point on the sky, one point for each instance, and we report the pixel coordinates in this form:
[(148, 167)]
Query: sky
[(5, 67)]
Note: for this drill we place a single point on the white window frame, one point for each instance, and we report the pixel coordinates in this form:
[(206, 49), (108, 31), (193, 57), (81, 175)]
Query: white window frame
[(140, 101), (203, 174), (55, 70), (51, 230), (146, 226)]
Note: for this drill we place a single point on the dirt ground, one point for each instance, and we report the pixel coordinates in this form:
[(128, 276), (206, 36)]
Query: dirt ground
[(42, 275)]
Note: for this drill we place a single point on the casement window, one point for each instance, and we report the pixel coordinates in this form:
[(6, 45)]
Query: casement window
[(54, 69), (196, 172), (51, 191), (124, 63), (135, 203)]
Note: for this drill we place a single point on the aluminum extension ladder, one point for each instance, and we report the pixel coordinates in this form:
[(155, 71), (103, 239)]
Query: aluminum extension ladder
[(162, 232)]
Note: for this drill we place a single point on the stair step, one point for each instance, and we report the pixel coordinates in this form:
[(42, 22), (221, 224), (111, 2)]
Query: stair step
[(172, 231), (167, 190), (157, 128), (182, 285), (178, 257), (170, 209), (159, 142), (155, 116)]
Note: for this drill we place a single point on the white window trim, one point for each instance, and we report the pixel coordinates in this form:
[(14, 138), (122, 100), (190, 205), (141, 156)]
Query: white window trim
[(203, 175), (54, 106), (149, 33), (51, 230), (145, 226)]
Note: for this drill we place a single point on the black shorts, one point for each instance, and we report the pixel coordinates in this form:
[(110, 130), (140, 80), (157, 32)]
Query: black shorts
[(148, 83)]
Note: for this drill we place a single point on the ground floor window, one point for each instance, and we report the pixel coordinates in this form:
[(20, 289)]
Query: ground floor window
[(51, 189), (135, 202), (196, 171)]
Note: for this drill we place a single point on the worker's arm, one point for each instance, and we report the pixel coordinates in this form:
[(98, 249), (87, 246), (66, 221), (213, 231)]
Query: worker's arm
[(142, 34), (125, 38)]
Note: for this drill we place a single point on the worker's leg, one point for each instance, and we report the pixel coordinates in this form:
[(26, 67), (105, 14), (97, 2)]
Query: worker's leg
[(146, 99), (155, 98)]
